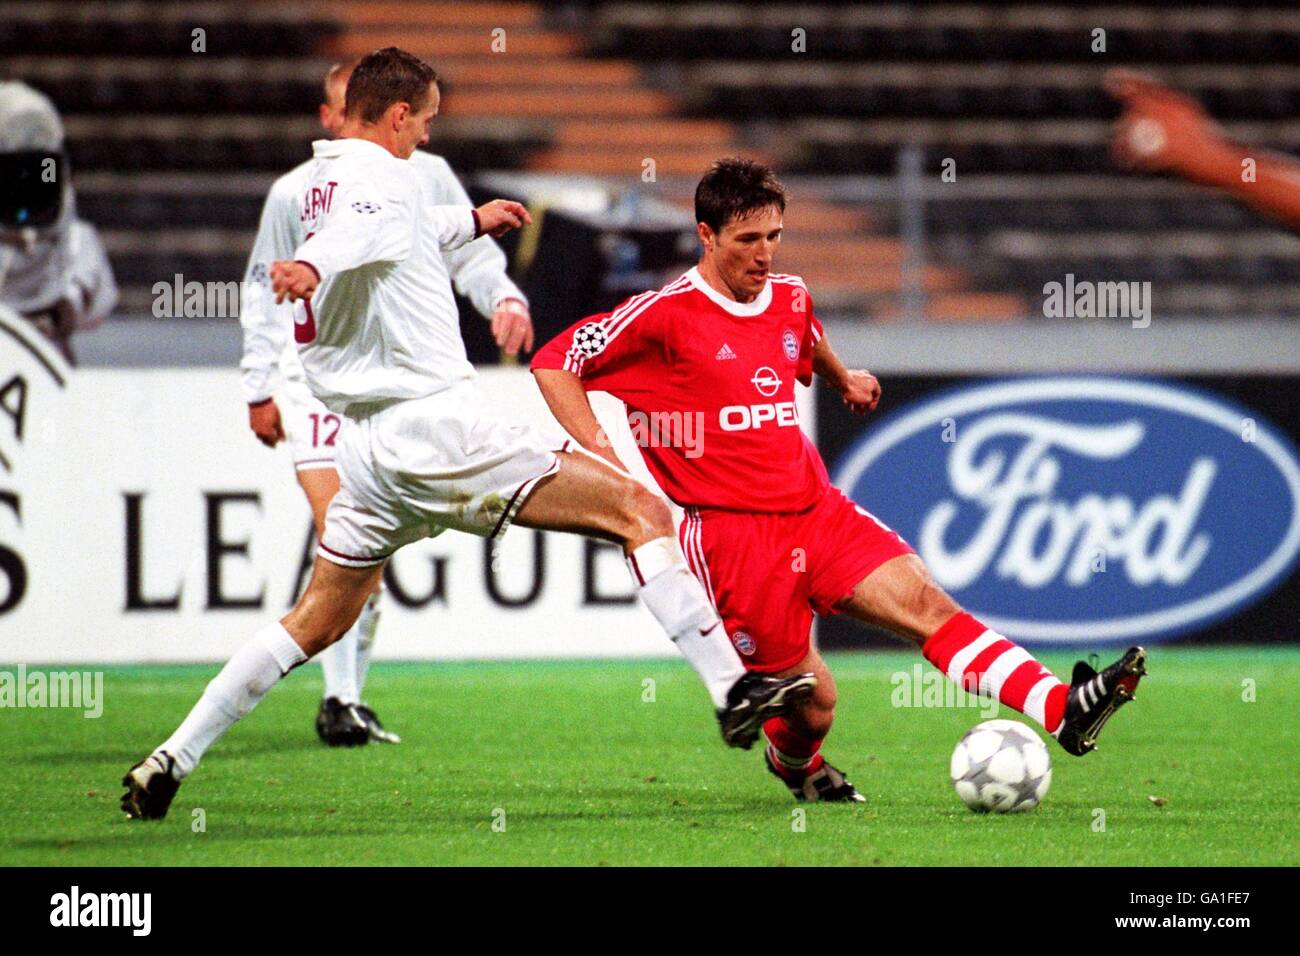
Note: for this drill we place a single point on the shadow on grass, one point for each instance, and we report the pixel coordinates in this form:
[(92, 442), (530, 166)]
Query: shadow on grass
[(686, 813), (175, 832), (82, 758), (148, 835), (298, 743)]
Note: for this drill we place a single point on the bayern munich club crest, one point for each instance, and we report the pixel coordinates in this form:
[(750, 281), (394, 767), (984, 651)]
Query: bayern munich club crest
[(590, 339), (790, 345), (744, 643)]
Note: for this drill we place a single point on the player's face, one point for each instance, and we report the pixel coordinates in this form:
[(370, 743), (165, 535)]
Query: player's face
[(331, 111), (742, 252), (414, 130)]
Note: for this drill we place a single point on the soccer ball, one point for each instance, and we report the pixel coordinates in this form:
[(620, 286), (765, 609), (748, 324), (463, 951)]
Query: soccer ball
[(1001, 766)]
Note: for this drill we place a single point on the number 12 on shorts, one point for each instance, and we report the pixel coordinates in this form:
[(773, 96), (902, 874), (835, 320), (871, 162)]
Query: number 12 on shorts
[(327, 420)]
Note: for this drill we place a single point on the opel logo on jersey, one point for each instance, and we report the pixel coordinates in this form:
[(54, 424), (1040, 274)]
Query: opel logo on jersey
[(739, 418), (766, 381), (790, 344)]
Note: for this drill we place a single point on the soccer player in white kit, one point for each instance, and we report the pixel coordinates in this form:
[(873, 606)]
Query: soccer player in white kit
[(380, 343), (281, 406)]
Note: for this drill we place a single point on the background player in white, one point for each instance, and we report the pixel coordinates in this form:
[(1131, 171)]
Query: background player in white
[(53, 268), (281, 406), (381, 344)]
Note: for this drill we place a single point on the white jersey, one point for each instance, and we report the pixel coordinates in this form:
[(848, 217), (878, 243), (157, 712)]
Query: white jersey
[(478, 270), (64, 266), (382, 325)]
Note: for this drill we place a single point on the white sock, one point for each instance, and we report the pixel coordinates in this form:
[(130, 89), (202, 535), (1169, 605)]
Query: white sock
[(367, 625), (230, 695), (679, 603), (338, 663)]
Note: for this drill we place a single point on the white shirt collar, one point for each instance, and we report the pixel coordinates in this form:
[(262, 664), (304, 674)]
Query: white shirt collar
[(757, 307), (333, 148)]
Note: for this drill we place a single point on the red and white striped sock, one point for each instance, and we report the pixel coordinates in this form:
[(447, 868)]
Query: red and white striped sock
[(793, 754), (982, 660)]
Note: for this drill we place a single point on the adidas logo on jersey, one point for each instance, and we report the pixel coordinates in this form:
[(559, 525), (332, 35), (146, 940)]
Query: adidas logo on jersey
[(725, 353)]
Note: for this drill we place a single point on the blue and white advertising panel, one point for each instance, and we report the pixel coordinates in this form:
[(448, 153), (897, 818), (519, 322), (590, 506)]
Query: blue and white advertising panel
[(1089, 509)]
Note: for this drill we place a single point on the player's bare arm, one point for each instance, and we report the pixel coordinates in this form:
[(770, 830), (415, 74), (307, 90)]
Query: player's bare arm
[(499, 216), (293, 280), (1162, 130), (512, 327), (571, 407), (264, 419), (858, 387)]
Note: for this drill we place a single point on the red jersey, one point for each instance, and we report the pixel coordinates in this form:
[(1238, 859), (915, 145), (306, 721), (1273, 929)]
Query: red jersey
[(709, 388)]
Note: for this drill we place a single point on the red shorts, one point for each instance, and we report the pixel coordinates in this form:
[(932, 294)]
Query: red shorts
[(768, 573)]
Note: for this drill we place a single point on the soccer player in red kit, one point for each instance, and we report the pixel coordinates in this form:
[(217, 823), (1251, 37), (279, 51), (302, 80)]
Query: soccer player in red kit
[(713, 357)]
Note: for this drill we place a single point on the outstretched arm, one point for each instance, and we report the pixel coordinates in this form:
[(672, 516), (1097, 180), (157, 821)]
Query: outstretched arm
[(571, 407), (858, 387), (1162, 130), (478, 270), (338, 248)]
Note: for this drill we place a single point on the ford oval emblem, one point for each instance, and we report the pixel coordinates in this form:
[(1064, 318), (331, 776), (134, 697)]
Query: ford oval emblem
[(1078, 509)]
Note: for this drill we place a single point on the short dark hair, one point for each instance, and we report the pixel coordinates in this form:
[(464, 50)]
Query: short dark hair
[(386, 77), (733, 188)]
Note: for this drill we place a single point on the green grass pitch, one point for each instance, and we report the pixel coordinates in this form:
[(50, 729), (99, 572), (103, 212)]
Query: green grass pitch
[(528, 763)]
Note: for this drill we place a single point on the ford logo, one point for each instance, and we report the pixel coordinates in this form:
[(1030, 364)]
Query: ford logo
[(1086, 508)]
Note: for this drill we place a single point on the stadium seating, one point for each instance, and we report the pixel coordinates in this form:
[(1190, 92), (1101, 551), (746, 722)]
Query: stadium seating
[(169, 142), (1012, 95)]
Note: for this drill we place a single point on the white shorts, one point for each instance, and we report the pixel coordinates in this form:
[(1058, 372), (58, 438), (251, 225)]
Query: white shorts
[(419, 467), (311, 428)]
